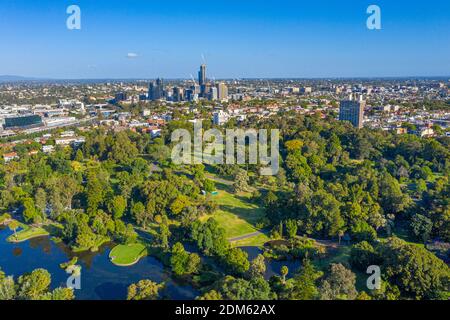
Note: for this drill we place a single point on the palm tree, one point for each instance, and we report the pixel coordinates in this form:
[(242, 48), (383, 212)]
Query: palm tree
[(341, 234), (284, 273), (13, 225)]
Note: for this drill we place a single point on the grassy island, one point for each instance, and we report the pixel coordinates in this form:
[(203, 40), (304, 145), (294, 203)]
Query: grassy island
[(127, 255)]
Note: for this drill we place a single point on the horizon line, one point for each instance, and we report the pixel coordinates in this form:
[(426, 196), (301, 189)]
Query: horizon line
[(16, 78)]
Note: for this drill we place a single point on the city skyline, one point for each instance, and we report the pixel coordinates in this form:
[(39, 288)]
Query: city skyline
[(252, 40)]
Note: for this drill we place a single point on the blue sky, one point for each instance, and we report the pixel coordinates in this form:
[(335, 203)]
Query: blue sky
[(239, 39)]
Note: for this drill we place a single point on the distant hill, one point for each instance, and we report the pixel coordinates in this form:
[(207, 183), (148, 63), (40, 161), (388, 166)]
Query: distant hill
[(12, 78)]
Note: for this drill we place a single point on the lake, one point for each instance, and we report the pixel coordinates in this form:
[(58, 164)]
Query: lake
[(100, 279)]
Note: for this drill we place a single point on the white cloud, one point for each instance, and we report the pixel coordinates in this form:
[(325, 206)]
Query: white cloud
[(132, 55)]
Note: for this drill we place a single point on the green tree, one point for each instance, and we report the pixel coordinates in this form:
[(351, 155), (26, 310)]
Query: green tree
[(210, 237), (284, 273), (339, 284), (13, 225), (139, 214), (258, 266), (40, 199), (240, 289), (421, 227), (117, 206), (392, 198), (182, 262), (291, 228), (62, 294), (363, 255), (304, 283), (144, 290), (179, 204), (34, 285), (237, 260), (417, 272), (7, 288), (241, 181), (30, 213), (212, 295)]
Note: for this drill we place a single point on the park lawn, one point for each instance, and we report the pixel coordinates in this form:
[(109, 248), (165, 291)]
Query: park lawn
[(236, 214), (340, 255), (27, 233), (127, 255), (256, 241)]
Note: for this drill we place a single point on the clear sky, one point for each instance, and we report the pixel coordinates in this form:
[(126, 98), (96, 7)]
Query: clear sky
[(238, 38)]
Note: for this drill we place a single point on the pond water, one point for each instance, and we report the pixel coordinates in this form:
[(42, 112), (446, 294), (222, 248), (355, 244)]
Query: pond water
[(100, 279), (273, 268)]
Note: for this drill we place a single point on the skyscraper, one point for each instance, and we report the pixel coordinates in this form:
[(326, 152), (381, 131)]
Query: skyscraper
[(353, 110), (222, 91), (213, 94), (202, 75), (156, 90), (202, 81), (177, 94)]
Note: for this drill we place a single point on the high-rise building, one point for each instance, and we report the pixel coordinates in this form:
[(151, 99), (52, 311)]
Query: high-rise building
[(202, 81), (353, 110), (305, 90), (222, 91), (156, 90), (202, 75), (213, 94), (178, 94), (120, 96)]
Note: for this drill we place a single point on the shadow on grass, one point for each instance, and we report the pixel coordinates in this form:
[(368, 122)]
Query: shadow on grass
[(250, 215)]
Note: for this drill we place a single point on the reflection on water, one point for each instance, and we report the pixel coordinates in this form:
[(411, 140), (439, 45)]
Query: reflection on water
[(17, 252), (42, 243), (100, 279), (272, 267)]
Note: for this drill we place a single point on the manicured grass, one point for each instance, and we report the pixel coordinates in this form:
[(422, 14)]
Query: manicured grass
[(236, 214), (127, 255), (257, 241), (27, 234)]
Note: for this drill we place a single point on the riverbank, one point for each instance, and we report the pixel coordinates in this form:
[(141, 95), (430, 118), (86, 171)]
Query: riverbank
[(27, 233)]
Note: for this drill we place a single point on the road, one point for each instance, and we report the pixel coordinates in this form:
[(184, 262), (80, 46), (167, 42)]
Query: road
[(246, 236)]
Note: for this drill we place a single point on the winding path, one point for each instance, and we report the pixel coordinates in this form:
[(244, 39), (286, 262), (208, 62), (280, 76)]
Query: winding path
[(246, 236)]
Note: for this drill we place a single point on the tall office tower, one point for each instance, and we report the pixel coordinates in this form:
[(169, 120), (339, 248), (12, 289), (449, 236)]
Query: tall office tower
[(202, 75), (195, 89), (353, 110), (156, 90), (202, 81), (213, 94), (222, 91), (178, 94)]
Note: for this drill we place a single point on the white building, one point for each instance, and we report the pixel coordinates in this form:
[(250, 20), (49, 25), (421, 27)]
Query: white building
[(220, 117)]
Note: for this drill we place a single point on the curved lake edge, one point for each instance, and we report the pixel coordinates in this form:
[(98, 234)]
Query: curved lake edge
[(10, 240), (138, 258), (101, 279)]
